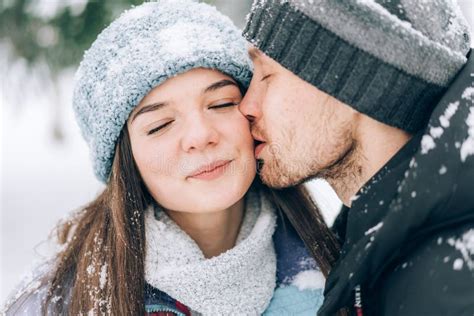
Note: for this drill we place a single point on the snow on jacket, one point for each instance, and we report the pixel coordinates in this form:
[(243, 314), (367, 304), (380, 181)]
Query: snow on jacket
[(409, 235)]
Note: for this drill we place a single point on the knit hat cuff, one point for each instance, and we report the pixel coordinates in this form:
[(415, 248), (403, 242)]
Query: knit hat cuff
[(331, 64)]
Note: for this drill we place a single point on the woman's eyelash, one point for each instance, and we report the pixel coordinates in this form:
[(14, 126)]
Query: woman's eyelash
[(156, 129), (219, 106), (223, 105)]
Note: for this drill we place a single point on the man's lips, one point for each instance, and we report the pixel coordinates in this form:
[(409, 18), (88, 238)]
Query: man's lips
[(211, 169), (259, 145)]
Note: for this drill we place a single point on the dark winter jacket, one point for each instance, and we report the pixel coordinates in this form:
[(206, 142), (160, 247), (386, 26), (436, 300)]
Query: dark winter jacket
[(409, 235)]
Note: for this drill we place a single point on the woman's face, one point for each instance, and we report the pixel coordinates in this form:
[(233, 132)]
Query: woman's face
[(191, 144)]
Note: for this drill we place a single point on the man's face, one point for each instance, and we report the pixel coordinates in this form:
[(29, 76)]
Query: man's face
[(301, 132)]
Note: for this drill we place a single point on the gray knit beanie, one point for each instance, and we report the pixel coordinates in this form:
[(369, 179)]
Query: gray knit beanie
[(389, 59), (140, 50)]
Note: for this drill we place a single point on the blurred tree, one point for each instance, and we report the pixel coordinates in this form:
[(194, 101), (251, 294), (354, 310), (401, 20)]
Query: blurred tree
[(54, 31), (59, 31)]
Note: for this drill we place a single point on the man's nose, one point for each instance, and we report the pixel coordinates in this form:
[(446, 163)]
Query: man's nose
[(250, 105)]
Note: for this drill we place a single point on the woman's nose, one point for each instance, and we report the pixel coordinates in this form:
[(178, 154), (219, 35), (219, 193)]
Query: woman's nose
[(200, 134)]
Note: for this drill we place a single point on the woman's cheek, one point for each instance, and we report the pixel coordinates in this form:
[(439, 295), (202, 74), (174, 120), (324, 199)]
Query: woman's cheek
[(243, 126)]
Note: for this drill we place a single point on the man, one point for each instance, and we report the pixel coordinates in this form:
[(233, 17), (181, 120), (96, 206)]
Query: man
[(376, 97)]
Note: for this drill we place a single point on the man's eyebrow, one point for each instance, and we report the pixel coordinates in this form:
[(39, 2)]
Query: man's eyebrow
[(149, 108), (219, 84), (254, 53)]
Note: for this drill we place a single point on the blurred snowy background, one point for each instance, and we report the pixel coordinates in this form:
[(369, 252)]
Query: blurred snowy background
[(45, 172)]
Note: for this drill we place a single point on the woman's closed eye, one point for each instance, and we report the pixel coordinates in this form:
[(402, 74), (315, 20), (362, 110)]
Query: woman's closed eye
[(223, 106), (159, 128)]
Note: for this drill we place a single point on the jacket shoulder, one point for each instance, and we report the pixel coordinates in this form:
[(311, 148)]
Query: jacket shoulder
[(436, 278)]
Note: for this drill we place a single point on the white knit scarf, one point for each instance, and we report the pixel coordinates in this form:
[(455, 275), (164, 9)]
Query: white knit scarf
[(240, 281)]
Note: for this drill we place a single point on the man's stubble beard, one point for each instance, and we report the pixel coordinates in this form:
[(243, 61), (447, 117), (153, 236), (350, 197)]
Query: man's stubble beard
[(285, 171)]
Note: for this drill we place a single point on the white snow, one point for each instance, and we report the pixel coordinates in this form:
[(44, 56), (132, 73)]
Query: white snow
[(468, 93), (457, 264), (354, 197), (56, 299), (182, 42), (465, 244), (427, 144), (448, 113), (90, 269), (309, 280), (436, 132), (467, 147), (428, 140), (443, 170), (326, 199), (103, 276), (374, 229)]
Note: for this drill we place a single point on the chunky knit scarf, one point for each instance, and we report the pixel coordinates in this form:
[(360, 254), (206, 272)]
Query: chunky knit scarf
[(240, 281)]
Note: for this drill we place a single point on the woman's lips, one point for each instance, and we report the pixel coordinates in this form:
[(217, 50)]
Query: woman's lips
[(211, 171)]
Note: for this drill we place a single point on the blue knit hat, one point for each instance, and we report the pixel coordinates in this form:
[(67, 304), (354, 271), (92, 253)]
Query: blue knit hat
[(144, 47)]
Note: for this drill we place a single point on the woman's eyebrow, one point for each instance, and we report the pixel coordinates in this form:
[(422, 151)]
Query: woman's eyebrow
[(219, 84), (149, 108)]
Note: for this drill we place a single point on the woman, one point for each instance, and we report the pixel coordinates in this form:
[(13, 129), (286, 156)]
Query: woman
[(183, 226)]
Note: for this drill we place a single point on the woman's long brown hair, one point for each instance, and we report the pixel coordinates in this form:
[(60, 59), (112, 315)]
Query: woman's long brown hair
[(101, 268), (302, 212)]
